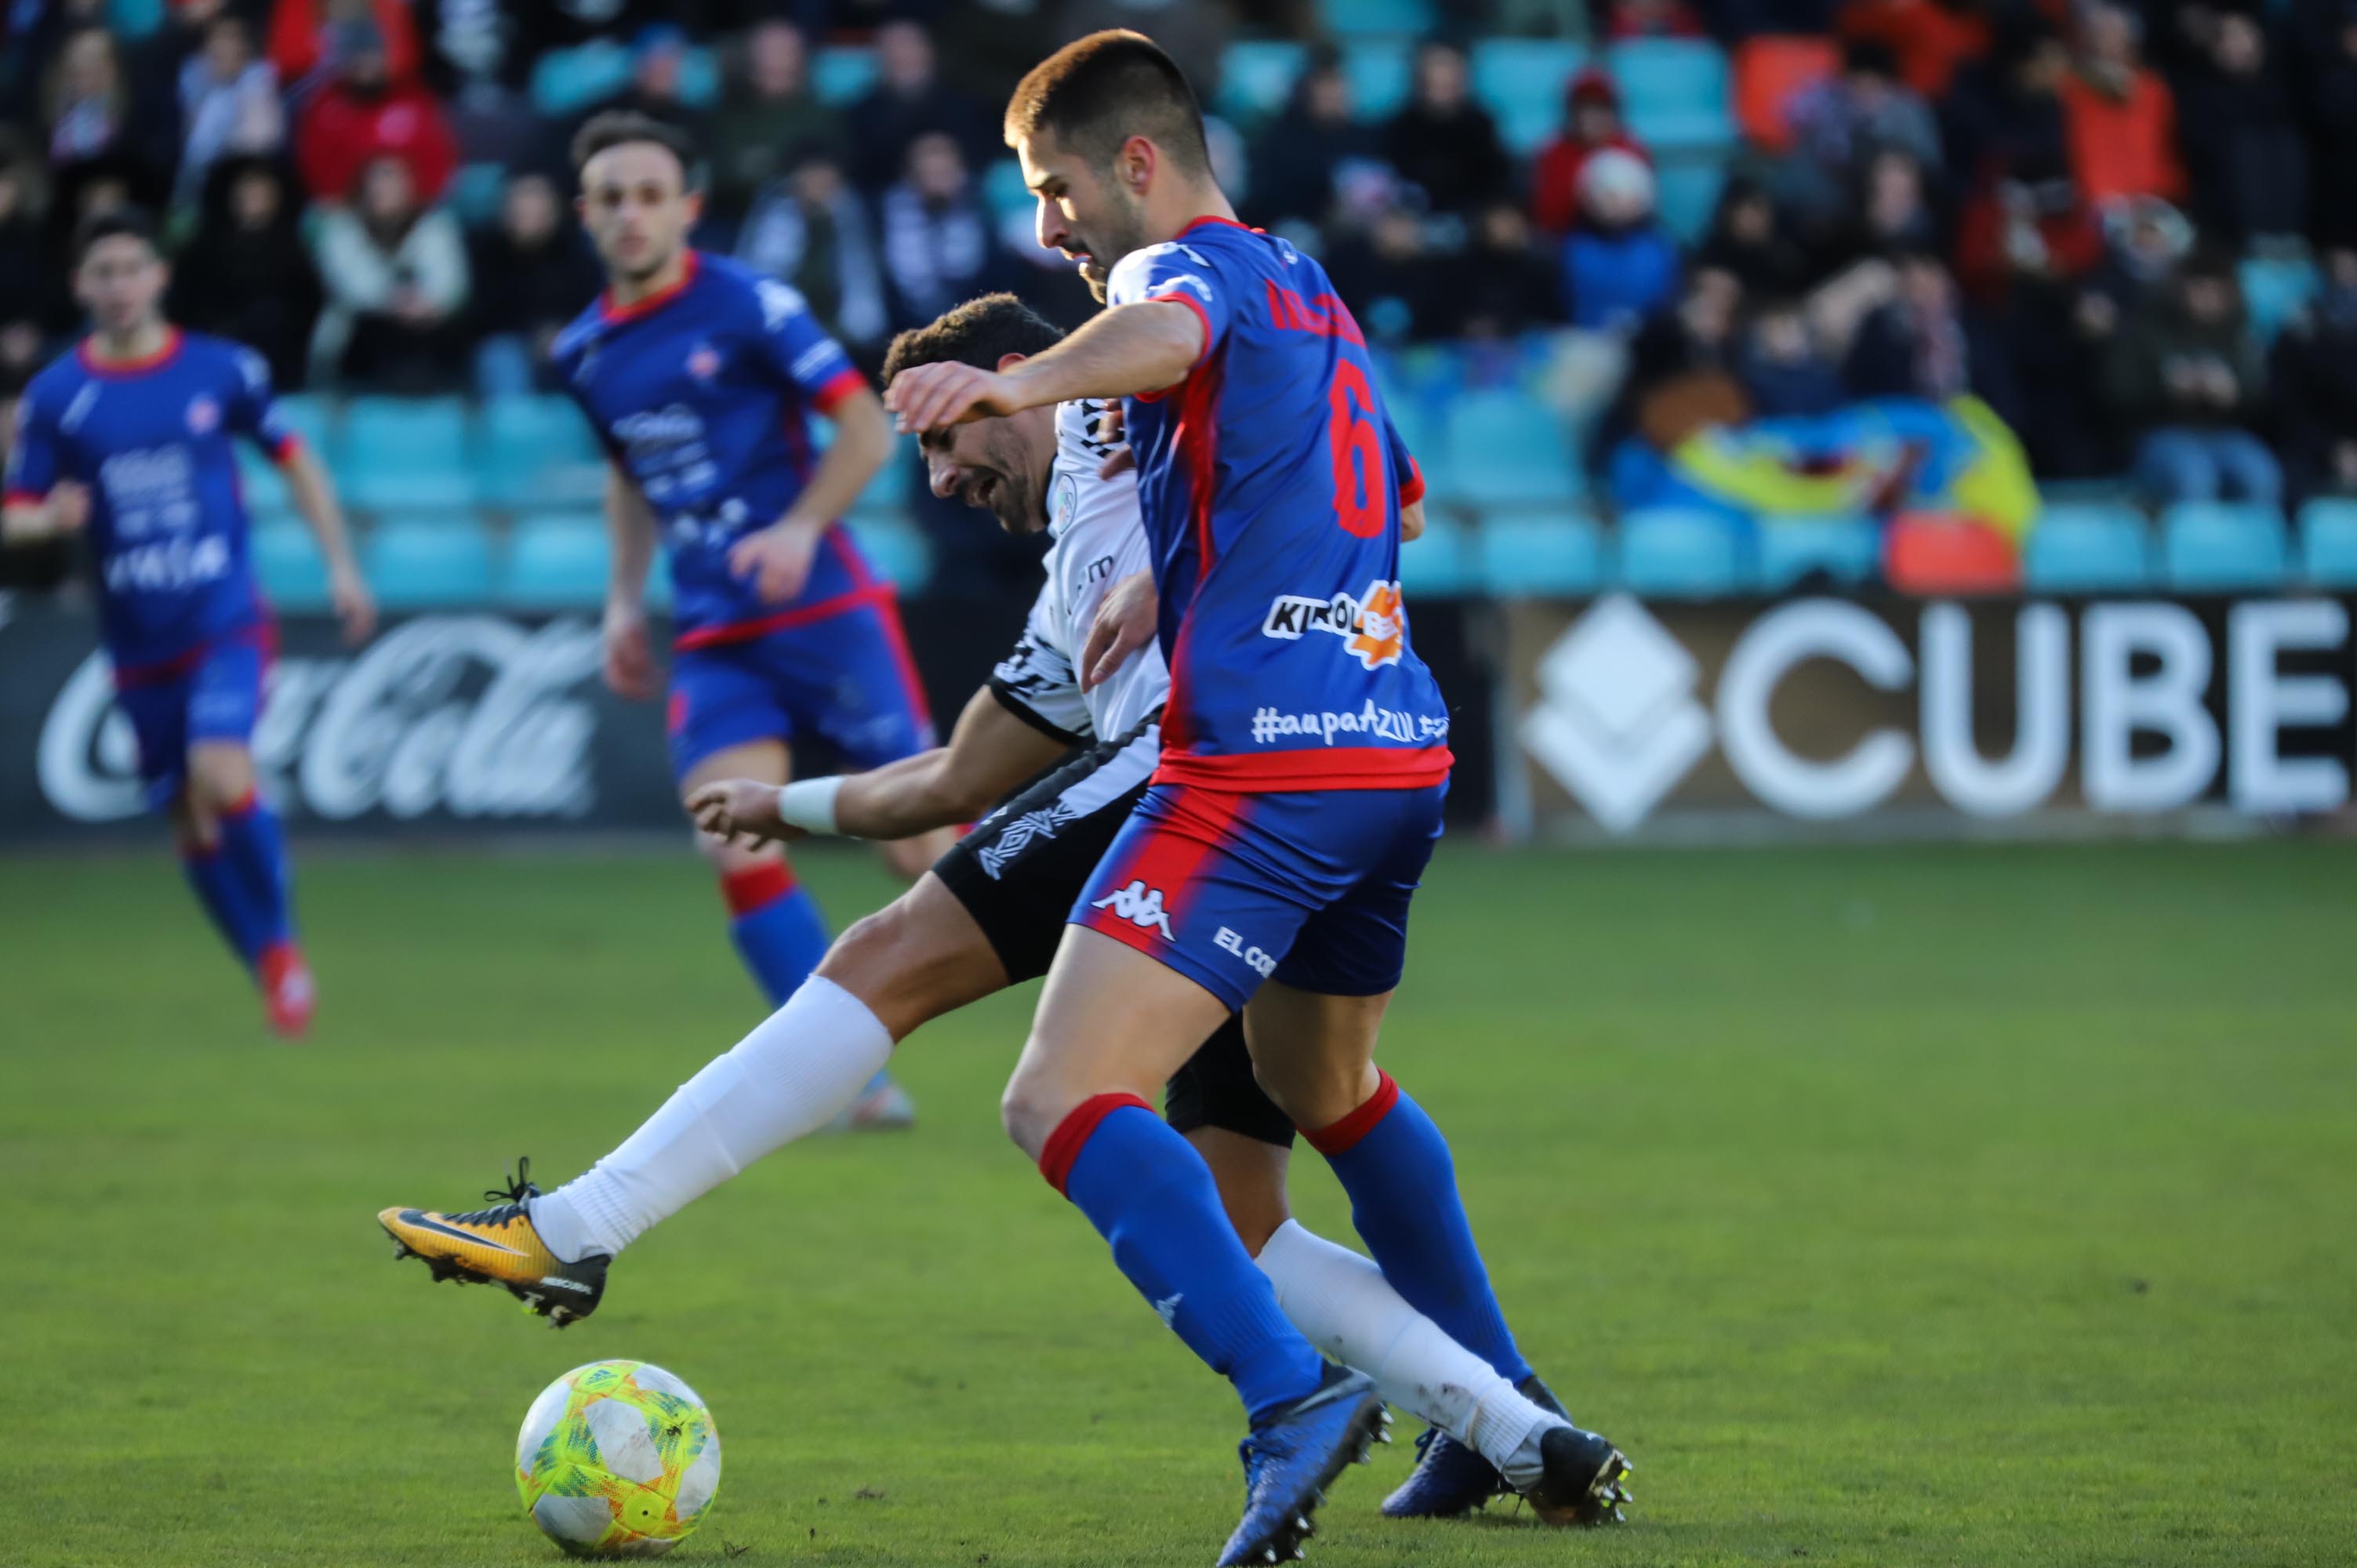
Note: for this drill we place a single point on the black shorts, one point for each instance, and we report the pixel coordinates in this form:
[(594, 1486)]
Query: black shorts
[(1018, 873)]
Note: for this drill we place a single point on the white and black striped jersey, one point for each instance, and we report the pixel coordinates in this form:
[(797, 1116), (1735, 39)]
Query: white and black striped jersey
[(1098, 539)]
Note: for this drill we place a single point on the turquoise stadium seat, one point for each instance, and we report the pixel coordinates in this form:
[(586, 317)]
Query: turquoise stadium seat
[(1675, 92), (844, 76), (2215, 547), (2087, 548), (1256, 78), (1791, 550), (286, 558), (537, 450), (1534, 557), (259, 481), (400, 453), (555, 561), (475, 194), (313, 418), (1686, 194), (1522, 81), (1375, 18), (1003, 187), (896, 549), (566, 82), (1668, 554), (2327, 542), (1441, 565), (699, 78), (1506, 448), (1379, 74), (429, 562), (2276, 290)]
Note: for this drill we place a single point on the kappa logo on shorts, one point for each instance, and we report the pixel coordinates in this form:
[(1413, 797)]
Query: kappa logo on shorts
[(1375, 626), (1040, 824), (1139, 905)]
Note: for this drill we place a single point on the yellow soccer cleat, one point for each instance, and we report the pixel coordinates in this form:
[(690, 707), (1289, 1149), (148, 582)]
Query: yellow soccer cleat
[(499, 1246)]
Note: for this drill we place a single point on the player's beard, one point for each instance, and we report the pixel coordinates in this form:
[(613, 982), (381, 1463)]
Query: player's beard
[(1007, 490), (1124, 230)]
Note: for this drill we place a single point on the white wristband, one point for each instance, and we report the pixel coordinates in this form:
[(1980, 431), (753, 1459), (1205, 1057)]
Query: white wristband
[(808, 804)]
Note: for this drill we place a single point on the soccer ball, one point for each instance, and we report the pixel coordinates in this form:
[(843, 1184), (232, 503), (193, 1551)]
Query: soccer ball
[(618, 1459)]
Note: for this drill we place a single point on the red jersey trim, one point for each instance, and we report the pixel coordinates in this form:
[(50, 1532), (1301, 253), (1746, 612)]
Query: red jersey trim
[(608, 311), (1210, 341), (1195, 223), (173, 339), (24, 498), (785, 620), (1336, 768), (283, 452), (264, 633), (1411, 490), (840, 385)]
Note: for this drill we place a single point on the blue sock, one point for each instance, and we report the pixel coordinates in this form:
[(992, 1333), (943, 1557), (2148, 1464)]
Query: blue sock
[(1150, 1195), (1396, 1165), (255, 851), (776, 925), (222, 891)]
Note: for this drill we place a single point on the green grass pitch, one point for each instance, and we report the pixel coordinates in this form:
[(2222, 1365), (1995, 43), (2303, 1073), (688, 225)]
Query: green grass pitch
[(1956, 1206)]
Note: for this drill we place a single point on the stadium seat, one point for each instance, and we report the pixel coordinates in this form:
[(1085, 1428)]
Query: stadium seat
[(556, 561), (1375, 18), (537, 451), (287, 559), (1686, 195), (399, 454), (896, 549), (2087, 548), (259, 481), (1379, 75), (2275, 289), (1933, 556), (2215, 547), (1770, 72), (1257, 77), (1676, 93), (475, 193), (1441, 564), (844, 76), (1531, 557), (1668, 554), (1506, 448), (432, 562), (312, 418), (1522, 81), (699, 77), (566, 82), (895, 482), (2327, 539), (1848, 550)]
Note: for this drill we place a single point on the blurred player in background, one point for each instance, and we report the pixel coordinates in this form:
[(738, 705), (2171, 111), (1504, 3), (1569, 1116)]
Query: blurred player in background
[(987, 916), (1305, 756), (699, 377), (129, 439)]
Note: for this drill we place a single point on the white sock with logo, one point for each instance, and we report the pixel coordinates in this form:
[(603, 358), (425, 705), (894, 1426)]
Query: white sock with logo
[(1343, 1305), (788, 1077)]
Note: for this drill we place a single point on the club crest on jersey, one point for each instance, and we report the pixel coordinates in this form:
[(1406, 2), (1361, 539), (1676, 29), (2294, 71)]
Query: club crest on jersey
[(703, 362), (204, 415), (1374, 627), (1139, 905)]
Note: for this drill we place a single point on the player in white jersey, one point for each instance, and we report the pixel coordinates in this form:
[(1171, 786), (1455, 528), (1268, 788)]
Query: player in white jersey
[(988, 913)]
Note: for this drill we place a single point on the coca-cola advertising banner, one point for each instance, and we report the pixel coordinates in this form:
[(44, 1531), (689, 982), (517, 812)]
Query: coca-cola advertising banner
[(1831, 711)]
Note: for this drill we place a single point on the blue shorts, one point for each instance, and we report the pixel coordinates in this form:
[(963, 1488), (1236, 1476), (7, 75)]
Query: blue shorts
[(213, 694), (1309, 888), (847, 679)]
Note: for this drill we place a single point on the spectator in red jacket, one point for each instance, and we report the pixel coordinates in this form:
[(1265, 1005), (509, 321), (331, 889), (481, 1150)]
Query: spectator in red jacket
[(1592, 123), (2121, 119), (363, 114)]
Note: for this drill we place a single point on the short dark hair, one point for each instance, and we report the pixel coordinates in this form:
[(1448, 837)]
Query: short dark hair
[(1096, 92), (115, 222), (619, 127), (980, 332)]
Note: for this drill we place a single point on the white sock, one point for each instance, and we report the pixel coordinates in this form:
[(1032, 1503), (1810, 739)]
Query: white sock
[(1343, 1305), (785, 1081)]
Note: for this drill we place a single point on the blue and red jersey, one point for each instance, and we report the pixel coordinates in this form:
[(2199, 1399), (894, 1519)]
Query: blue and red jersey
[(152, 439), (702, 394), (1271, 482)]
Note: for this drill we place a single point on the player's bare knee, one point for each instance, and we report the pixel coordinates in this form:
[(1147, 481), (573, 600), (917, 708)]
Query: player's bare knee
[(220, 777), (1035, 1103)]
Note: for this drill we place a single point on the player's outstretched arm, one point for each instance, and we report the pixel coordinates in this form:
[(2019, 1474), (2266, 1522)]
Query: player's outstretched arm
[(315, 502), (1130, 348), (778, 558), (990, 752)]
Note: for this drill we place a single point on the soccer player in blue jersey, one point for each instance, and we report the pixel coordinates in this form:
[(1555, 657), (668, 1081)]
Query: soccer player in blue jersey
[(128, 440), (700, 377), (1305, 756)]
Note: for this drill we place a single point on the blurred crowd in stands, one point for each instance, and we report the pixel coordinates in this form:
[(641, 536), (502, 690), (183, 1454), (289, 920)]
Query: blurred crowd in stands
[(2131, 229)]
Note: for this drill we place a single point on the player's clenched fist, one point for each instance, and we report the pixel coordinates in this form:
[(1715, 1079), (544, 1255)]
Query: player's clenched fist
[(927, 397), (739, 810)]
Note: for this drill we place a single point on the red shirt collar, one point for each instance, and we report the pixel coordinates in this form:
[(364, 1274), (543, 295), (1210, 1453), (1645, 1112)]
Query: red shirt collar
[(139, 367), (610, 311), (1195, 223)]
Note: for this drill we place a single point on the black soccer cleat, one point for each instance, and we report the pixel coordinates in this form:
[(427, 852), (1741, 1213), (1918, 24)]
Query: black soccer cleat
[(1291, 1460), (1583, 1481), (500, 1246), (1451, 1478)]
